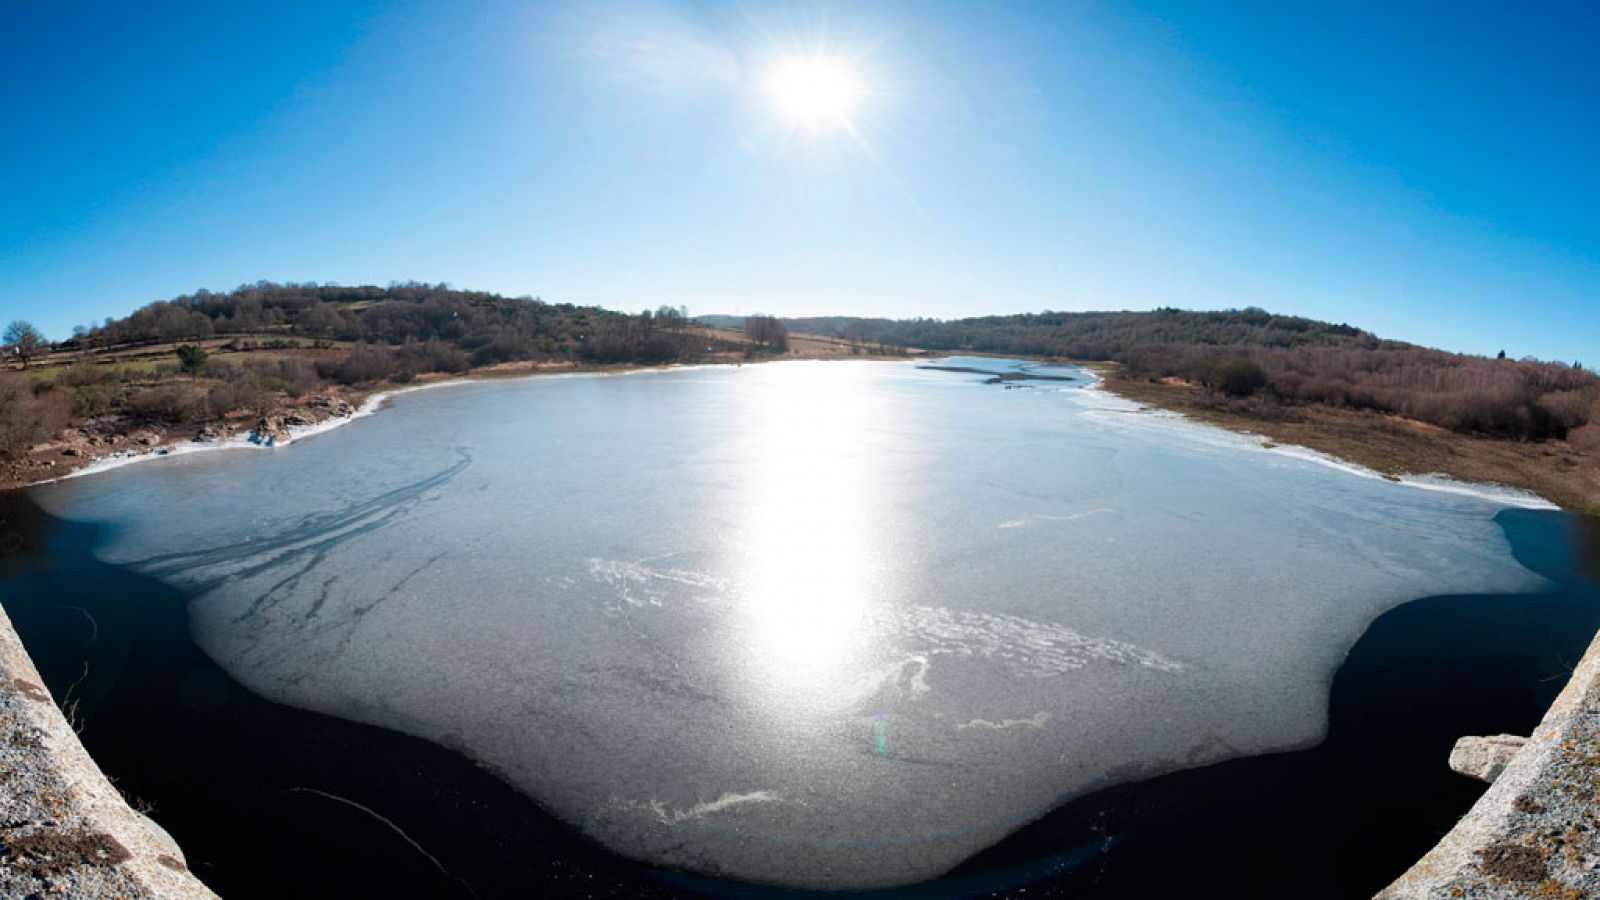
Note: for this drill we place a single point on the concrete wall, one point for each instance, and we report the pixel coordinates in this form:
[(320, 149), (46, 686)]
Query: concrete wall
[(66, 830)]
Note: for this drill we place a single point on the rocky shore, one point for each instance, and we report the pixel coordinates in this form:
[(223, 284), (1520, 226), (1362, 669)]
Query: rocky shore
[(107, 438)]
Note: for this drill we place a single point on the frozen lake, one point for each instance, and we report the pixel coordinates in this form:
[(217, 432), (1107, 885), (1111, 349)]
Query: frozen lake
[(834, 624)]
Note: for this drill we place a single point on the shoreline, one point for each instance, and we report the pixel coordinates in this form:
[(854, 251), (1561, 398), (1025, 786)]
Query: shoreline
[(1388, 447), (1490, 491), (65, 458), (365, 402)]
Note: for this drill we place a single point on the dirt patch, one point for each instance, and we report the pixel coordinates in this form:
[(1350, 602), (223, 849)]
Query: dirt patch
[(1512, 862), (30, 690), (54, 852)]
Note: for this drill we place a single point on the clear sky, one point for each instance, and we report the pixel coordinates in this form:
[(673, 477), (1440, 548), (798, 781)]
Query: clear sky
[(1425, 170)]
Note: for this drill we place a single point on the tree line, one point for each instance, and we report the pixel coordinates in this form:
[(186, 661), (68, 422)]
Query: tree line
[(367, 333), (321, 334), (1272, 360), (487, 328)]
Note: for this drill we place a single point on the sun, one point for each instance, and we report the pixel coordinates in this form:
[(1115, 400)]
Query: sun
[(814, 91)]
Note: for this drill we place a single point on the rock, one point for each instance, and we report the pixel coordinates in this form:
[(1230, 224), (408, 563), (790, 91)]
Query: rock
[(1484, 758), (269, 431), (334, 406), (212, 434)]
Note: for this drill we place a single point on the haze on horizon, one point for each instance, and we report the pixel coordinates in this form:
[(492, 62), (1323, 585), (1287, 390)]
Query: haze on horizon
[(1426, 174)]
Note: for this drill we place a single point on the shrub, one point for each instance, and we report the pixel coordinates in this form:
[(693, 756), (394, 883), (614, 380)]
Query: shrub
[(1240, 378), (293, 375), (191, 358), (432, 356), (85, 372), (228, 396), (1585, 439), (366, 362), (91, 400), (171, 403), (28, 417)]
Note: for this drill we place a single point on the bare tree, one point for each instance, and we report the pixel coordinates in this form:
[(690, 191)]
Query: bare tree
[(25, 340), (767, 331)]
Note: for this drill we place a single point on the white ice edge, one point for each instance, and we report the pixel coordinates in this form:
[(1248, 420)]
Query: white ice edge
[(1492, 493), (369, 406), (243, 441), (1495, 493)]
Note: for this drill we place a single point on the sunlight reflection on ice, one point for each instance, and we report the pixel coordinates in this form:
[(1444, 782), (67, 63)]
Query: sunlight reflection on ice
[(803, 549)]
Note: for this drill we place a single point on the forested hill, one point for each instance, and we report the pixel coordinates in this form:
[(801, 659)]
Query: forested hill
[(464, 327), (268, 356), (1248, 358), (1093, 335), (1270, 362)]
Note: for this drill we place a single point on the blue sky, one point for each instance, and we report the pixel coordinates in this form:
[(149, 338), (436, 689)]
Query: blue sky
[(1427, 172)]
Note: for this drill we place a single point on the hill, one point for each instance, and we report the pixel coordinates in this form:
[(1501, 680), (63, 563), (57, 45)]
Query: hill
[(1250, 360), (268, 356)]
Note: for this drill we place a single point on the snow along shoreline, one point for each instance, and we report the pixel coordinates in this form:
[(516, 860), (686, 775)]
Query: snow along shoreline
[(1493, 493), (249, 440)]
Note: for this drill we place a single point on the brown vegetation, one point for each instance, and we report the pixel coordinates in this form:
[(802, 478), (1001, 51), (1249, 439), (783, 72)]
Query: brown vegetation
[(24, 341), (29, 414), (1279, 363), (1513, 862), (267, 345), (439, 328), (194, 368), (768, 333), (1504, 398), (265, 348), (1563, 472)]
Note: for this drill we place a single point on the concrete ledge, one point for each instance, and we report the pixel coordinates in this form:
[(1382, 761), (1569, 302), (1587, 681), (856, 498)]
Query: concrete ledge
[(1536, 832), (1484, 758), (63, 828)]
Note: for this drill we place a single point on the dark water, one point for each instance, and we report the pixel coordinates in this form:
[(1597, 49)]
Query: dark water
[(269, 801), (829, 626)]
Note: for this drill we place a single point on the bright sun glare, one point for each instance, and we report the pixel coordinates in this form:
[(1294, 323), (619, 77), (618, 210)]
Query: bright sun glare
[(814, 91)]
